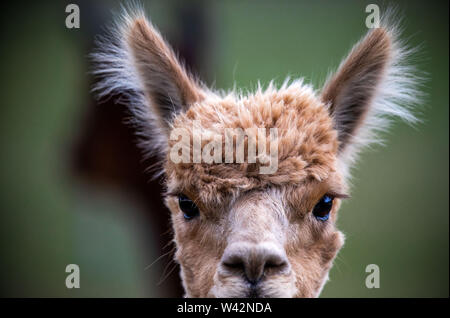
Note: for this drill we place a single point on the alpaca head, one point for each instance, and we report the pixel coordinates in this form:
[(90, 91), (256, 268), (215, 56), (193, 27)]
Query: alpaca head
[(240, 231)]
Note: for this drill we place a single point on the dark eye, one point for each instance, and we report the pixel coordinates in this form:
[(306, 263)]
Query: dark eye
[(190, 210), (322, 209)]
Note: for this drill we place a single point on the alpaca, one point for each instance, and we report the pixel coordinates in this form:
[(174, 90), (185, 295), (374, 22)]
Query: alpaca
[(239, 232)]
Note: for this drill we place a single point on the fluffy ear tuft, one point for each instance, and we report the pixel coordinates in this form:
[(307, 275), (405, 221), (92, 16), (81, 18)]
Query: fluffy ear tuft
[(166, 83), (135, 62), (372, 85)]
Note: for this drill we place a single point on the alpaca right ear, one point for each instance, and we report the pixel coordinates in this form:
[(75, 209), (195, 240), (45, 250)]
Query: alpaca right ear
[(351, 90), (373, 84)]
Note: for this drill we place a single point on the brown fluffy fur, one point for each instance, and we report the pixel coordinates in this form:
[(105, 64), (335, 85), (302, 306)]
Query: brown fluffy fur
[(242, 211)]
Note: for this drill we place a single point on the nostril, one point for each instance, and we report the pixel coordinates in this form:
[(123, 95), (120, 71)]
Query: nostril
[(275, 262), (271, 264), (236, 265), (275, 267), (234, 262)]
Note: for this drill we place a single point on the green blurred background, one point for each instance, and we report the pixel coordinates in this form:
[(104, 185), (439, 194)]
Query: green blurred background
[(55, 211)]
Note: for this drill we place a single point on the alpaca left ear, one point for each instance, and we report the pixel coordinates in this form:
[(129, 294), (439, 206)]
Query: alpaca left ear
[(134, 62), (350, 92), (166, 84)]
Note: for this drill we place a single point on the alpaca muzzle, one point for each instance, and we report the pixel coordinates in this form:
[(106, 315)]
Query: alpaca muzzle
[(253, 262), (253, 266)]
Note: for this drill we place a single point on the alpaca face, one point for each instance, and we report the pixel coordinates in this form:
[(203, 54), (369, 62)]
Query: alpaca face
[(254, 234), (262, 244), (240, 232)]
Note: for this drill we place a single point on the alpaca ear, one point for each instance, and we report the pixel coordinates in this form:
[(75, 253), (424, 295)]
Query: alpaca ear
[(134, 63), (351, 91), (166, 84)]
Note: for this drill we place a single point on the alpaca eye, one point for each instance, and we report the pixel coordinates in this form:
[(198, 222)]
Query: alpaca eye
[(190, 210), (322, 209)]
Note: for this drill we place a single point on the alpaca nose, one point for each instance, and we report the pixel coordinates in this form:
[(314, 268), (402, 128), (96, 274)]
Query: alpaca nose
[(255, 261)]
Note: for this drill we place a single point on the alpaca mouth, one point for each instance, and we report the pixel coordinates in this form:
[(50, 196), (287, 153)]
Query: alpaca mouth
[(247, 290), (254, 292), (258, 291)]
